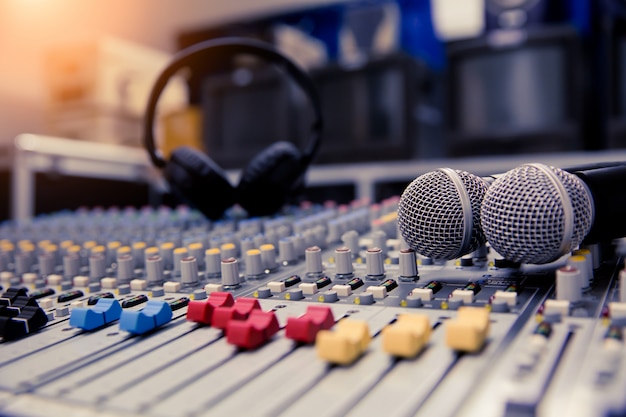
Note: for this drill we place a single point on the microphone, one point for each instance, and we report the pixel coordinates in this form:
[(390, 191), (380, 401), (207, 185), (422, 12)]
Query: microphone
[(439, 213), (537, 213)]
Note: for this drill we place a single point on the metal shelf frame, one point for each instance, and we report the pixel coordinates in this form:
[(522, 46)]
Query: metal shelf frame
[(37, 153)]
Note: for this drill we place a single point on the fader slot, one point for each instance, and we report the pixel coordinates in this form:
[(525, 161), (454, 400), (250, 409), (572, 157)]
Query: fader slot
[(286, 381), (527, 389), (343, 386), (600, 384), (55, 332), (195, 366), (25, 375), (520, 377), (99, 369), (40, 341), (450, 392), (241, 368), (28, 405), (282, 384), (145, 396), (139, 368), (33, 371), (399, 393)]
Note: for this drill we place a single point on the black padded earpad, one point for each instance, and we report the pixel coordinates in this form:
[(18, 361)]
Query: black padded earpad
[(270, 179), (199, 181)]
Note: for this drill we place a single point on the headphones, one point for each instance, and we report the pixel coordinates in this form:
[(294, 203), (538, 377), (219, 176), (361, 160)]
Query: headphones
[(274, 175)]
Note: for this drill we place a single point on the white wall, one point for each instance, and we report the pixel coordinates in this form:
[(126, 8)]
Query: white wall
[(29, 27)]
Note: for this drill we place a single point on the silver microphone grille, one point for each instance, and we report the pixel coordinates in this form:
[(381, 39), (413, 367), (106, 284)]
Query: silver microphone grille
[(536, 213), (439, 213)]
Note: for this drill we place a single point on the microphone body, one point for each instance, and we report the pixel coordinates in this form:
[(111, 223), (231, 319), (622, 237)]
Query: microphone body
[(608, 191), (536, 213)]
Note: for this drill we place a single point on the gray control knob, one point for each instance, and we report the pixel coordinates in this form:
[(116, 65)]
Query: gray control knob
[(366, 298), (294, 294), (212, 262), (125, 268), (71, 265), (189, 270), (408, 264), (286, 251), (413, 301), (343, 263), (254, 264), (313, 261), (154, 270), (568, 284), (329, 296), (230, 272), (97, 265), (268, 255), (374, 263)]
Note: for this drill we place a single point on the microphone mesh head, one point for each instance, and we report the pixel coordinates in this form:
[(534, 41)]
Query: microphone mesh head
[(433, 213), (536, 213)]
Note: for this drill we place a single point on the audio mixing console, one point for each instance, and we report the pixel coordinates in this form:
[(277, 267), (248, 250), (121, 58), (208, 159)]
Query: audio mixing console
[(319, 311)]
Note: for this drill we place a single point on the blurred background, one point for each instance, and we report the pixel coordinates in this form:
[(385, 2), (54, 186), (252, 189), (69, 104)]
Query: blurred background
[(400, 80)]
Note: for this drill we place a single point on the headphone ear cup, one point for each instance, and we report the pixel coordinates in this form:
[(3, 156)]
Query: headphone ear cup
[(270, 179), (198, 181)]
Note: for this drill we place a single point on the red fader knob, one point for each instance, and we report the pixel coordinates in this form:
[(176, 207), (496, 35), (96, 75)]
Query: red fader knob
[(304, 328), (238, 311), (253, 332), (203, 311)]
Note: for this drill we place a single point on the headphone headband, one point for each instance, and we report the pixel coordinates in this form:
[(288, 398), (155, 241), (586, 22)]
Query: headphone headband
[(228, 47)]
